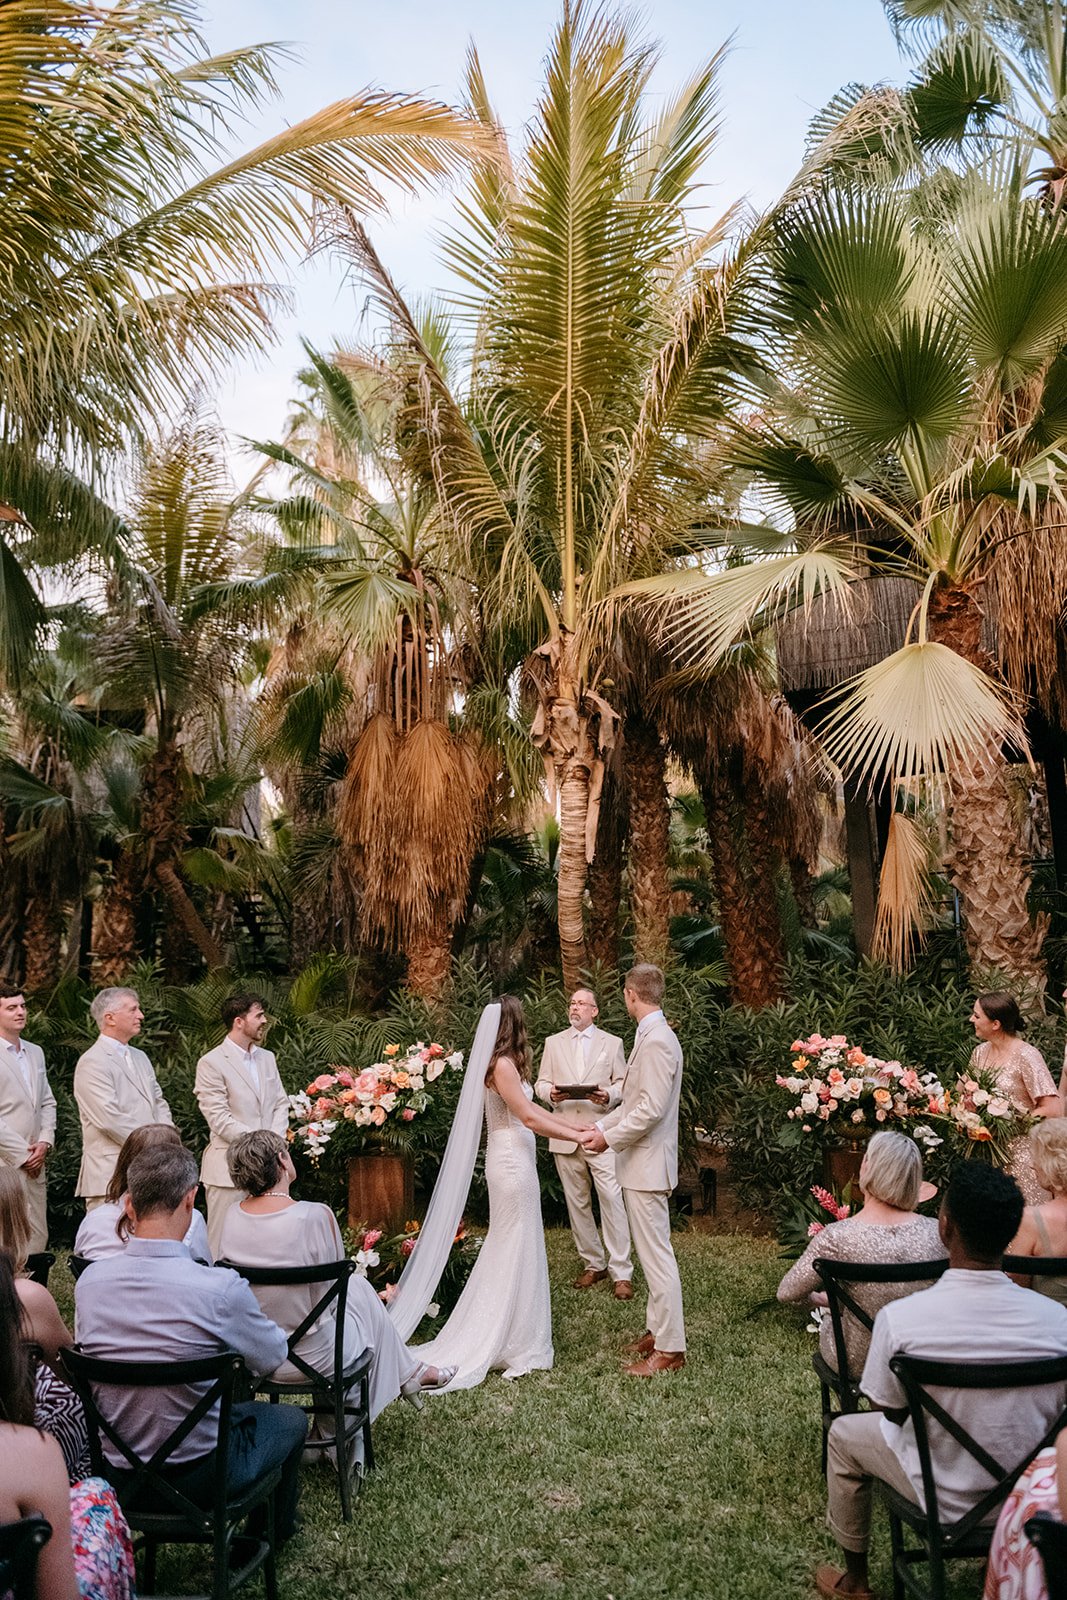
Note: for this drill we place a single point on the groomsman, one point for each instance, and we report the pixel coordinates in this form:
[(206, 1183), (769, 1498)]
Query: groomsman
[(239, 1091), (584, 1054), (115, 1088), (643, 1132), (27, 1111)]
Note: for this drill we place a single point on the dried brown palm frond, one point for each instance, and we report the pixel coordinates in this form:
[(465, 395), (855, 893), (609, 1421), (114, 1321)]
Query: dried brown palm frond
[(1026, 598), (905, 896)]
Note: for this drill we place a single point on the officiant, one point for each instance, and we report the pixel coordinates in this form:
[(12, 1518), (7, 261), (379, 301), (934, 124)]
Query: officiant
[(584, 1056)]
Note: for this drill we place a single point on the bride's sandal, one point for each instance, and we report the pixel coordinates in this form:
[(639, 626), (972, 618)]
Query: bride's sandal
[(416, 1387)]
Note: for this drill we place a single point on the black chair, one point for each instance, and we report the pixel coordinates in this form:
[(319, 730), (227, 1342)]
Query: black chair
[(838, 1279), (155, 1506), (1050, 1536), (77, 1265), (39, 1265), (969, 1536), (1036, 1266), (330, 1396), (21, 1544)]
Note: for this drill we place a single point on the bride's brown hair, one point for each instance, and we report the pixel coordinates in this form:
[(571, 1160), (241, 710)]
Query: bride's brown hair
[(511, 1038)]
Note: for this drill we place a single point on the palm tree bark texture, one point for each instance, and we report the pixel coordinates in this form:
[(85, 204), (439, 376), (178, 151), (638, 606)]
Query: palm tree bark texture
[(649, 840)]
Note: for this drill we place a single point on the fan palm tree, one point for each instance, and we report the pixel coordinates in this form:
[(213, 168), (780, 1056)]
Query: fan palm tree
[(579, 456), (912, 424), (139, 249)]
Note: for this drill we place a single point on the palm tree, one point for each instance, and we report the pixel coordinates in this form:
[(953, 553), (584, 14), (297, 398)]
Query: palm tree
[(579, 457), (910, 425), (148, 267)]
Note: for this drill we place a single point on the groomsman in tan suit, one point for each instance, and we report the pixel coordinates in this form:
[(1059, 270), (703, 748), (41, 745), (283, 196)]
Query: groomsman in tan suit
[(584, 1054), (643, 1132), (27, 1111), (116, 1090), (239, 1091)]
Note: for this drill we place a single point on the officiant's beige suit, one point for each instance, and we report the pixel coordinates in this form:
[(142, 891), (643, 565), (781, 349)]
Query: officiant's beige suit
[(601, 1063), (235, 1099), (116, 1091), (27, 1117), (643, 1132)]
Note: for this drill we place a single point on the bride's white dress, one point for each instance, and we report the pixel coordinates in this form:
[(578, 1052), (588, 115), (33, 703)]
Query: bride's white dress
[(503, 1319)]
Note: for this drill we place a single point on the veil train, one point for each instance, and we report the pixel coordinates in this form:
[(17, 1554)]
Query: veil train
[(422, 1273)]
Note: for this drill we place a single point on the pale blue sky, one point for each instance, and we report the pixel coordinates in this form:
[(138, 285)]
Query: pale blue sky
[(788, 57)]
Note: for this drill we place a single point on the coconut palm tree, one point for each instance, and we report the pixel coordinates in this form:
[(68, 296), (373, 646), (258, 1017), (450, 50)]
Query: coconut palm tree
[(911, 425), (149, 266), (578, 457)]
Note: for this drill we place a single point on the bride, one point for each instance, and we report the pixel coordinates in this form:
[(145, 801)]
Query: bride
[(503, 1319)]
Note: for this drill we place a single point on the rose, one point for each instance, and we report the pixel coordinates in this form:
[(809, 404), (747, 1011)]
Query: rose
[(809, 1102), (322, 1108), (323, 1081), (855, 1088), (401, 1080), (857, 1116), (855, 1057), (378, 1116), (883, 1098), (981, 1097), (408, 1114)]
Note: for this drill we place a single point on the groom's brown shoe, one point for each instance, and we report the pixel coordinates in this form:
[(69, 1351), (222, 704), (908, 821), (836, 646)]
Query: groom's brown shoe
[(657, 1361), (586, 1279), (622, 1289), (640, 1347)]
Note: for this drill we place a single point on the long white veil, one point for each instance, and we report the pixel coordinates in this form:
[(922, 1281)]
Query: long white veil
[(420, 1277)]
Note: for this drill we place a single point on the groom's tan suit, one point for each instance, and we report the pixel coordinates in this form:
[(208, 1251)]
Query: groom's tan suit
[(27, 1117), (238, 1091), (643, 1133), (595, 1058)]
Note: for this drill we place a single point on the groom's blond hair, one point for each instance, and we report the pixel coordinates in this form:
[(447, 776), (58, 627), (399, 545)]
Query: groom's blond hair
[(646, 982)]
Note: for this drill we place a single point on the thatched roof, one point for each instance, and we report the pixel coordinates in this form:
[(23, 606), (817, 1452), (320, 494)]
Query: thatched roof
[(823, 646)]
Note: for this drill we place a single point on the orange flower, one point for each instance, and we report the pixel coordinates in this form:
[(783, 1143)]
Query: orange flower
[(411, 1227), (402, 1080), (391, 1049), (980, 1135)]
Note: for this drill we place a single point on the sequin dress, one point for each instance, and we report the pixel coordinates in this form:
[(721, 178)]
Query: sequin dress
[(856, 1240), (502, 1322), (1024, 1079)]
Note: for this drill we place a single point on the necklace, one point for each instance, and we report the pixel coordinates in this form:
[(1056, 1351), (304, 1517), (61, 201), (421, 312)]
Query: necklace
[(273, 1194)]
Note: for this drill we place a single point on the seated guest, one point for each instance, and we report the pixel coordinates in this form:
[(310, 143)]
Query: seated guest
[(153, 1297), (105, 1230), (57, 1408), (269, 1229), (886, 1229), (1015, 1570), (88, 1556), (1043, 1230), (973, 1313)]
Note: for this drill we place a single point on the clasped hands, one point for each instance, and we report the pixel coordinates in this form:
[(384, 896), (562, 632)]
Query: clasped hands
[(34, 1162), (590, 1138)]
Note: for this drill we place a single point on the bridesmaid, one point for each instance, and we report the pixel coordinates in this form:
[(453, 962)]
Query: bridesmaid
[(1022, 1077)]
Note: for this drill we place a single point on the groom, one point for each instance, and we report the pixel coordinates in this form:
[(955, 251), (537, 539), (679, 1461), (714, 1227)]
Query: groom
[(643, 1132)]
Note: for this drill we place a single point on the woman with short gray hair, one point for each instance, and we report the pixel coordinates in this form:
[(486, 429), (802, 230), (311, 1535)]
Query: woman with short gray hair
[(885, 1230), (270, 1229)]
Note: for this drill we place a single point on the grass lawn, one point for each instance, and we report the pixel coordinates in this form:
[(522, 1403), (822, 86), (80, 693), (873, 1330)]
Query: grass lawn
[(580, 1483)]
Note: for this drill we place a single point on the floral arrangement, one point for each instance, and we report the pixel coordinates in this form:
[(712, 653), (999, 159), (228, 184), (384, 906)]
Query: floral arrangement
[(983, 1119), (388, 1093), (827, 1202), (843, 1091), (380, 1258)]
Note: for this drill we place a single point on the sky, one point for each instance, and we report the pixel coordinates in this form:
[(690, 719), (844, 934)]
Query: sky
[(786, 59)]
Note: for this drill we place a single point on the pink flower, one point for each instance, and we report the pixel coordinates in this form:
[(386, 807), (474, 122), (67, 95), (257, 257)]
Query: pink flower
[(323, 1081), (909, 1080), (378, 1116), (322, 1109), (387, 1293), (407, 1247), (815, 1228), (855, 1057), (838, 1039), (371, 1237), (407, 1113), (345, 1078)]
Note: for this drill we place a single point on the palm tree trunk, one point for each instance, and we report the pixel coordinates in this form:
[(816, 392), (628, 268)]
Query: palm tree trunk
[(649, 844), (44, 927), (115, 922), (188, 917), (988, 865), (747, 903), (573, 784), (165, 836), (429, 959), (605, 876)]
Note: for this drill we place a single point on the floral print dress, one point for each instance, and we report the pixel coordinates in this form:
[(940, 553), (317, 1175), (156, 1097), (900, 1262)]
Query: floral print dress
[(103, 1554), (1015, 1570), (1024, 1079)]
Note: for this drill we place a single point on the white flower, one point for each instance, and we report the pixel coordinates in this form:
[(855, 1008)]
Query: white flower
[(388, 1101), (858, 1116), (980, 1097), (926, 1135), (365, 1259), (809, 1102), (433, 1309), (816, 1314), (455, 1060), (998, 1107)]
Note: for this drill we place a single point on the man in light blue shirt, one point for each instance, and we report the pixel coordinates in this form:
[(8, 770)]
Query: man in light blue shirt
[(154, 1302)]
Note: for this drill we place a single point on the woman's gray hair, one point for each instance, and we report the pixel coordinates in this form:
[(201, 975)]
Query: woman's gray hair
[(254, 1160), (892, 1170), (104, 1002), (1048, 1145)]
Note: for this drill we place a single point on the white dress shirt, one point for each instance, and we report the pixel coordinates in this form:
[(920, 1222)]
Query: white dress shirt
[(20, 1056), (97, 1238)]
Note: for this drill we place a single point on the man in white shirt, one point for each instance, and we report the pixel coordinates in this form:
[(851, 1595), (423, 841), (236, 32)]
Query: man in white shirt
[(116, 1090), (585, 1054), (153, 1297), (27, 1111), (238, 1090), (974, 1313)]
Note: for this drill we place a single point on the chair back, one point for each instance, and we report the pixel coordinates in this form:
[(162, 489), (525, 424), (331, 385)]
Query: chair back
[(334, 1278), (145, 1479), (919, 1376), (38, 1265), (21, 1544), (839, 1278), (77, 1265), (1049, 1534), (1036, 1266)]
